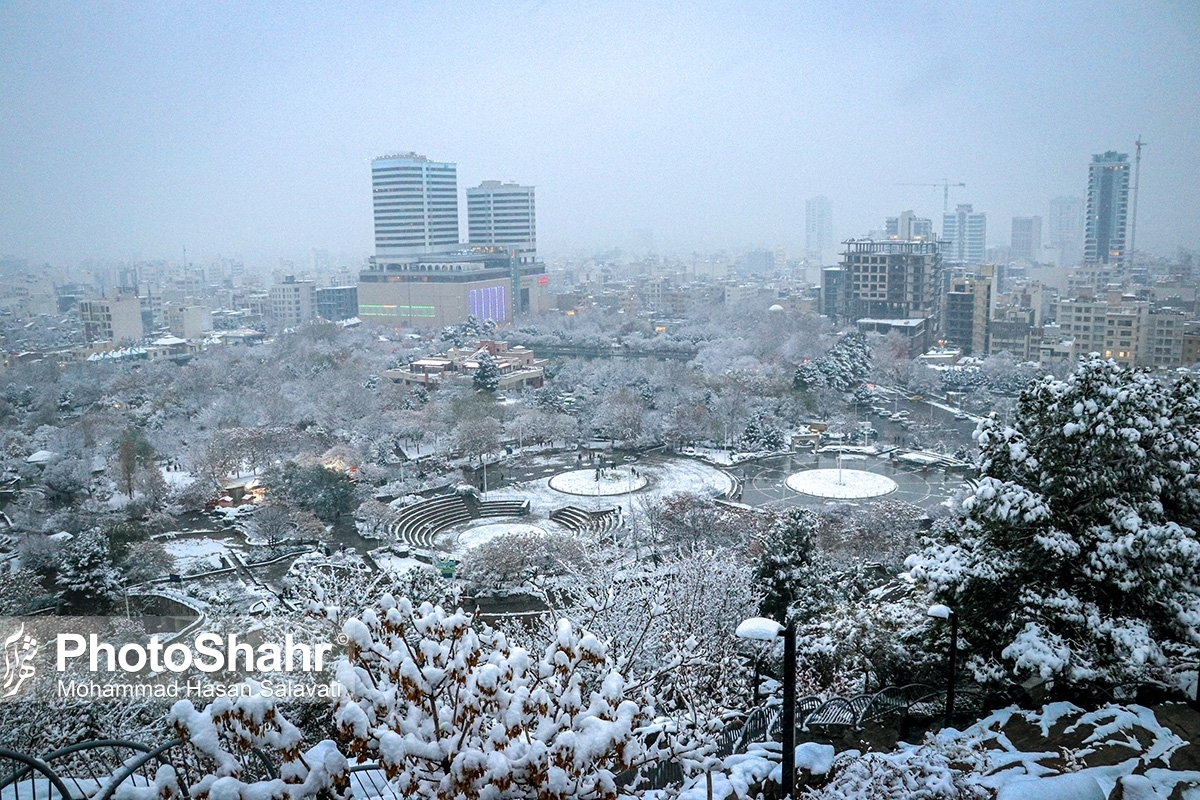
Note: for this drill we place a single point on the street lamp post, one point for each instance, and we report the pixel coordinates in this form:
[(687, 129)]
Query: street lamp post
[(763, 629), (945, 612)]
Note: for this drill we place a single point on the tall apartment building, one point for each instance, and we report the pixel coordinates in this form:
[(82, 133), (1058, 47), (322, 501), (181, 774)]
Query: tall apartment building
[(761, 262), (818, 228), (908, 226), (1082, 319), (1026, 240), (1107, 209), (293, 302), (1164, 338), (967, 313), (1126, 329), (415, 202), (885, 280), (964, 236), (112, 319), (1065, 229), (503, 214)]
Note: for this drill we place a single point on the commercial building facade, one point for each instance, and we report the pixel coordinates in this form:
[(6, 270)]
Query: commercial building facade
[(444, 290), (503, 214), (415, 203)]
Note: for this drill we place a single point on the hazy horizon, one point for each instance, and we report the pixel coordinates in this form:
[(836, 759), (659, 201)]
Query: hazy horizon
[(133, 130)]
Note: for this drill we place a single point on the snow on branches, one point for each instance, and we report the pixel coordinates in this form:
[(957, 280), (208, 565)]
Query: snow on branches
[(1077, 554), (452, 710), (228, 731)]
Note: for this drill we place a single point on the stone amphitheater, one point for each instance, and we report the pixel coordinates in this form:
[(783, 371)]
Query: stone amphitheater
[(424, 525)]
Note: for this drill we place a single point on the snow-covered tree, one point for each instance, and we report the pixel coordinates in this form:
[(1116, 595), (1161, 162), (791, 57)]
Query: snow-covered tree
[(505, 561), (847, 362), (1077, 555), (486, 376), (87, 579), (452, 710), (231, 727), (476, 437), (784, 574)]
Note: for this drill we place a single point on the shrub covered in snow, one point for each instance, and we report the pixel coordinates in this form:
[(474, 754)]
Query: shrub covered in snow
[(452, 710)]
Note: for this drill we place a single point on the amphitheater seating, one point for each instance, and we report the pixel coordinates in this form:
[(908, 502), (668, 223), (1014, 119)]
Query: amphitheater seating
[(503, 508), (419, 524), (581, 520)]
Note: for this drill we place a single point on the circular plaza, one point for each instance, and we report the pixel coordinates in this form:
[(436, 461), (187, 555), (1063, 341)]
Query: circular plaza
[(841, 484)]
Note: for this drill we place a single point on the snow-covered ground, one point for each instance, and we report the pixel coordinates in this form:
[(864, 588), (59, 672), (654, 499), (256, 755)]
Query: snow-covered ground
[(196, 555), (841, 484), (479, 534), (394, 564), (177, 478), (663, 478), (599, 483), (1059, 752)]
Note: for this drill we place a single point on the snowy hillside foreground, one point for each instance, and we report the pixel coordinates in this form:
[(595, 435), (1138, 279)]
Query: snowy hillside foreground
[(1058, 753)]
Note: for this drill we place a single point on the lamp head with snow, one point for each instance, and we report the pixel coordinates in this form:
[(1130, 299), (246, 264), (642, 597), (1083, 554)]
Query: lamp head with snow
[(760, 628), (940, 611)]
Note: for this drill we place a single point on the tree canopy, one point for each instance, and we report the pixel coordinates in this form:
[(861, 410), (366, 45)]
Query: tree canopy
[(1077, 556)]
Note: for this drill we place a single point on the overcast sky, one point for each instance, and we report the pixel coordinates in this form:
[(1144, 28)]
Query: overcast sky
[(128, 131)]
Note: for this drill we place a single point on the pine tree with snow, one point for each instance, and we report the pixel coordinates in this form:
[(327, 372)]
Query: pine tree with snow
[(87, 579), (785, 572), (1077, 555), (487, 375), (847, 363)]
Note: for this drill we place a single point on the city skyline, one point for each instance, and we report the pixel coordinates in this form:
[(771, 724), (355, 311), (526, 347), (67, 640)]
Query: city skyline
[(251, 135)]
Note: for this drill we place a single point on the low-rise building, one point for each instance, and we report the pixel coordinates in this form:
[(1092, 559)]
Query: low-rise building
[(114, 319), (518, 366)]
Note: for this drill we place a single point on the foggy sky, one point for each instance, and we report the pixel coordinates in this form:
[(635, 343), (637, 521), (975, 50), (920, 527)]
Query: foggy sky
[(130, 130)]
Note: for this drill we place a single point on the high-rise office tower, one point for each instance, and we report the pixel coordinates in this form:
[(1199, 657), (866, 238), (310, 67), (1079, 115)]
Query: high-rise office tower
[(1066, 228), (1026, 238), (503, 214), (416, 205), (909, 226), (1107, 209), (818, 228), (964, 236)]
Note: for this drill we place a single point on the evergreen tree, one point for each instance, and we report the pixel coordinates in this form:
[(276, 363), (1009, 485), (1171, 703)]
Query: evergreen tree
[(487, 376), (785, 571), (87, 579), (807, 377), (1077, 555), (327, 493)]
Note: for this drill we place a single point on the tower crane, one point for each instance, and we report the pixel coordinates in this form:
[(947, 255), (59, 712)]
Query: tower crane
[(944, 186)]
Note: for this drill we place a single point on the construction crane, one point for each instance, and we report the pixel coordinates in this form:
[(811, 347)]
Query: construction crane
[(944, 186), (1137, 177)]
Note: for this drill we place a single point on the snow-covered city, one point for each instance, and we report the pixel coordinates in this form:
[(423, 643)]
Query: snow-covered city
[(353, 486)]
